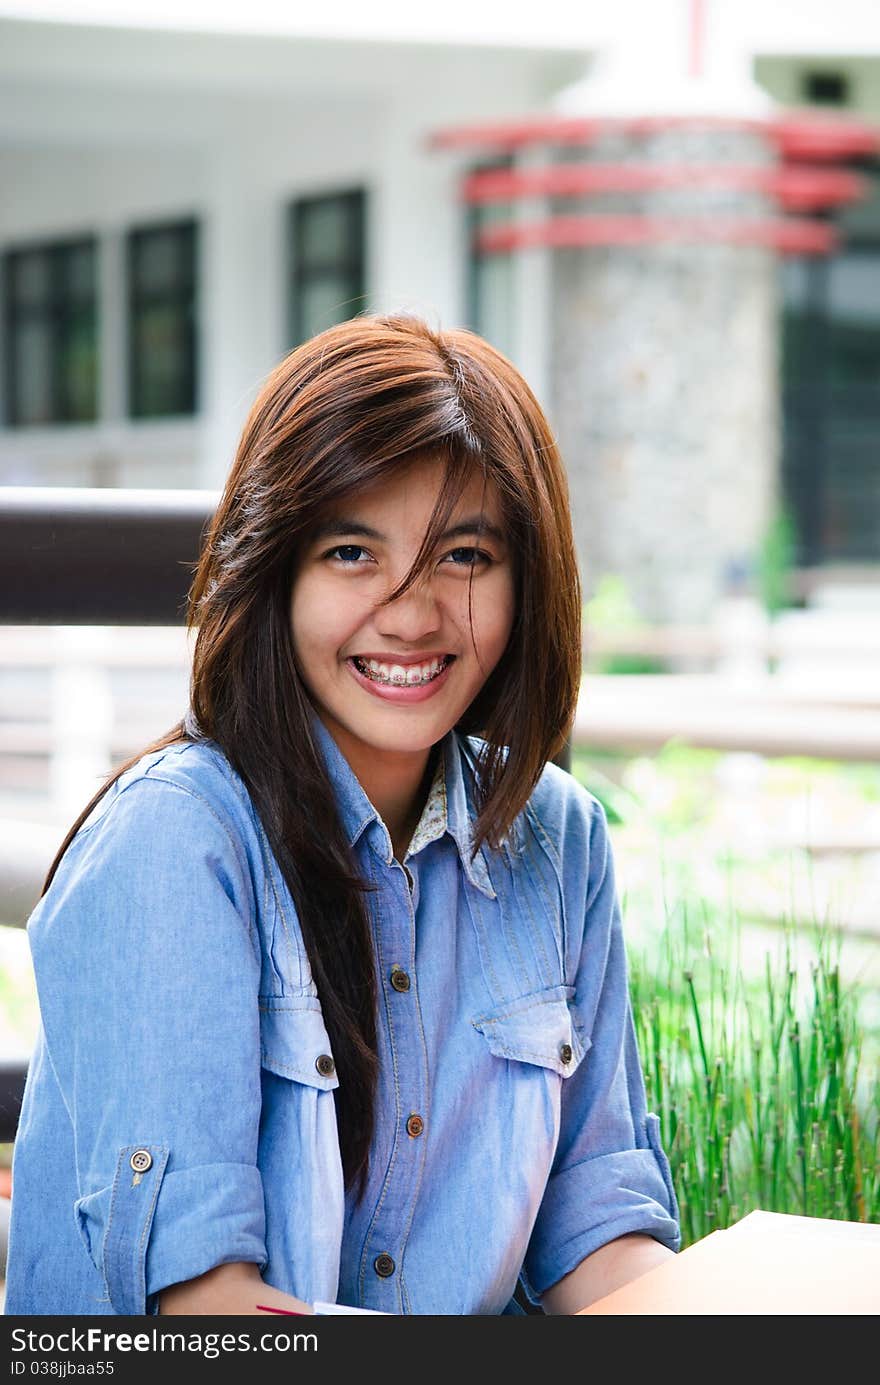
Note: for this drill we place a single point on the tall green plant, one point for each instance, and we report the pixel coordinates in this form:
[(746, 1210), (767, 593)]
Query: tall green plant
[(764, 1097)]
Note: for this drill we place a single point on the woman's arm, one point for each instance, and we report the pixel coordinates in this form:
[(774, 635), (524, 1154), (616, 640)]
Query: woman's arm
[(234, 1289), (610, 1176), (608, 1268), (148, 975)]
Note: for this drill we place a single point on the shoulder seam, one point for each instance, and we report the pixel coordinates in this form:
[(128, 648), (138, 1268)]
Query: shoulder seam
[(147, 777)]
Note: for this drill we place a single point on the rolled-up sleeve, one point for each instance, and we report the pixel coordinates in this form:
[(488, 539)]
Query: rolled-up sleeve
[(610, 1174), (147, 971)]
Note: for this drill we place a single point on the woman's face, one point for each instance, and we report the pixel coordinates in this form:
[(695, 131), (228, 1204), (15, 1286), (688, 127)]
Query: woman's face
[(394, 679)]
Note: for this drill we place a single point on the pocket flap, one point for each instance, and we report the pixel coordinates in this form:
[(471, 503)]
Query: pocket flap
[(294, 1043), (536, 1029)]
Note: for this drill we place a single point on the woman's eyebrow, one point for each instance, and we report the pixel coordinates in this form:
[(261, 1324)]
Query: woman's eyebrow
[(339, 528)]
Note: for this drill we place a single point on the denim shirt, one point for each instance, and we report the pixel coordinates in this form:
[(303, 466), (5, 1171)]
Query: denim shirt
[(179, 1110)]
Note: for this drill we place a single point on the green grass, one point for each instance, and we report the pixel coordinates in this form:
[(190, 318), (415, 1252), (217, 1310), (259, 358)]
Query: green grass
[(767, 1093), (757, 1018)]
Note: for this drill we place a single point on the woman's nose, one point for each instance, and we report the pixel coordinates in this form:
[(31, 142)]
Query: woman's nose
[(412, 615)]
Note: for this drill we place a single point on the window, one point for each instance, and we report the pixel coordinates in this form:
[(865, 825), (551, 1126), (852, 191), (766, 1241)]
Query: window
[(51, 333), (826, 88), (162, 320), (831, 390), (490, 294), (327, 253)]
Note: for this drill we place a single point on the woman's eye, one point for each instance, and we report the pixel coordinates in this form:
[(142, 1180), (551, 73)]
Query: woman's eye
[(468, 557), (347, 553)]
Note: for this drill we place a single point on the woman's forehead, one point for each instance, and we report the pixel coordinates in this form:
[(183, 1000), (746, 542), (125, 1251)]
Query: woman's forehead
[(417, 486)]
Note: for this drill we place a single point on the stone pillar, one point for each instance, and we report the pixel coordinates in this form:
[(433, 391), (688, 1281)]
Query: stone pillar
[(664, 373)]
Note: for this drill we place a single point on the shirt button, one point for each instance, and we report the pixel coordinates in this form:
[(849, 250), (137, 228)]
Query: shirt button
[(414, 1126), (141, 1160), (399, 979), (383, 1265), (325, 1065), (565, 1053)]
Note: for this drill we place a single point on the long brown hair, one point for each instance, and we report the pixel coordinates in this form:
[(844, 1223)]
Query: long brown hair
[(341, 411)]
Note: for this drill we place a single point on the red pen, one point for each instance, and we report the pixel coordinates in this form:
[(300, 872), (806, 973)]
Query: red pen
[(288, 1312)]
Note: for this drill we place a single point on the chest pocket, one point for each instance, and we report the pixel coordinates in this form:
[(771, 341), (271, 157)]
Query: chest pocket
[(521, 933), (294, 1042), (536, 1029)]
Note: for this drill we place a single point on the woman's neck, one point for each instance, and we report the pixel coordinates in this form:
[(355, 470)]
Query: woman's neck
[(402, 827), (396, 785)]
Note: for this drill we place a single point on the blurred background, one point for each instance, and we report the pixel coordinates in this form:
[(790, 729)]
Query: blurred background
[(665, 212)]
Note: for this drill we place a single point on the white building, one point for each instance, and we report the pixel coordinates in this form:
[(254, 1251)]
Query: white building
[(189, 190)]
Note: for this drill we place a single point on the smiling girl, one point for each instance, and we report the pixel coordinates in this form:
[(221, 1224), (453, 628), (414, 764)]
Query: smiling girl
[(332, 978)]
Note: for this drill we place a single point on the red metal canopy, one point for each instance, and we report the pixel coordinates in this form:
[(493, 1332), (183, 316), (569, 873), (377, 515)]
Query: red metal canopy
[(794, 185), (804, 188), (789, 235), (798, 134)]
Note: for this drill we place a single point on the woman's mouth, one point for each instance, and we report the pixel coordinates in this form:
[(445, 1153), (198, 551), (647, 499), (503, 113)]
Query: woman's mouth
[(410, 675), (401, 682)]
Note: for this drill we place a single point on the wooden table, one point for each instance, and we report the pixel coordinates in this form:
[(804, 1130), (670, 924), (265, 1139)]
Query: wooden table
[(767, 1263)]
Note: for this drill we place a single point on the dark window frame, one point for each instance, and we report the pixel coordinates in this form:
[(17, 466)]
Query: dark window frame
[(183, 295), (59, 309), (826, 87), (353, 202)]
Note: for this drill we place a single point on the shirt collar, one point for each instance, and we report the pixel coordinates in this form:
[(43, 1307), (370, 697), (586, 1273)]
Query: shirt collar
[(433, 822), (357, 812)]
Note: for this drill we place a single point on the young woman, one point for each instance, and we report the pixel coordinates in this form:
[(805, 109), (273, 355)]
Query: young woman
[(331, 977)]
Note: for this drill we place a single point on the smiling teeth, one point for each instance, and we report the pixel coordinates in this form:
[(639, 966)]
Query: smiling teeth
[(400, 676)]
